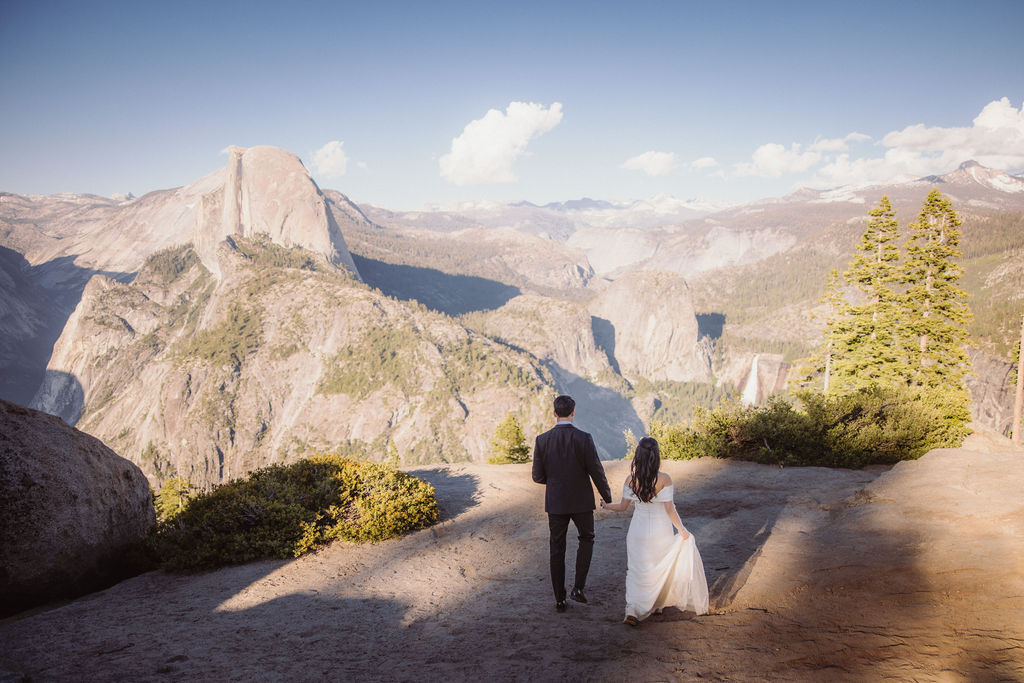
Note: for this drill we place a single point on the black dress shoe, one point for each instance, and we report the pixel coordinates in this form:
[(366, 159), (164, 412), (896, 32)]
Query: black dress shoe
[(561, 606), (577, 595)]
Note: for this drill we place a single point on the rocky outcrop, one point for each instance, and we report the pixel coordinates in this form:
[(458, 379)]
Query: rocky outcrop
[(72, 512), (56, 244), (754, 376), (646, 322), (530, 264), (688, 249), (559, 332), (209, 379), (992, 391), (268, 191), (109, 317), (29, 324)]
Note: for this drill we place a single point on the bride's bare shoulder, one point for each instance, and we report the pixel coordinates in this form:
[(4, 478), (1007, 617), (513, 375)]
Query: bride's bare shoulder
[(663, 480)]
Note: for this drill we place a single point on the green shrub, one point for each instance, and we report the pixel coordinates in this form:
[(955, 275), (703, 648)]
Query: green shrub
[(874, 425), (287, 510)]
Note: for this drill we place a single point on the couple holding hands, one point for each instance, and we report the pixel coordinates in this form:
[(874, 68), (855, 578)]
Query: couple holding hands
[(663, 566)]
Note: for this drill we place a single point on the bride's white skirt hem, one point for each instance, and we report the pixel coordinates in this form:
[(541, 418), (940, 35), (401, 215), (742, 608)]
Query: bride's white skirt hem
[(675, 579)]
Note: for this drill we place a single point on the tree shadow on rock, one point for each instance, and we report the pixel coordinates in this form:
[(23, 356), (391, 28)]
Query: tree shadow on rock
[(710, 325), (604, 338), (455, 492), (41, 298), (450, 294), (603, 412)]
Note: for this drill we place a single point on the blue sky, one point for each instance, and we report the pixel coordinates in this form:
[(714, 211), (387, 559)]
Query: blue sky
[(401, 104)]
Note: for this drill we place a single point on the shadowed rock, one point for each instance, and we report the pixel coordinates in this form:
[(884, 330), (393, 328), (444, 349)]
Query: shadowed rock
[(72, 512)]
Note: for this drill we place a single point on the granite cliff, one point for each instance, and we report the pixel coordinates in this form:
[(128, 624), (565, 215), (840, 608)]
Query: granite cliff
[(207, 378)]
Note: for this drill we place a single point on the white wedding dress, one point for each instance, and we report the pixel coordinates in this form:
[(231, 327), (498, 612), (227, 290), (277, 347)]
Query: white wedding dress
[(662, 569)]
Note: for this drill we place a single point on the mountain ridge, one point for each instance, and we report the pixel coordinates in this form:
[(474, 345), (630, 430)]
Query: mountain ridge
[(141, 340)]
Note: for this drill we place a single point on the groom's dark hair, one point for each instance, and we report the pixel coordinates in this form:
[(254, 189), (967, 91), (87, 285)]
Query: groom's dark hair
[(564, 406)]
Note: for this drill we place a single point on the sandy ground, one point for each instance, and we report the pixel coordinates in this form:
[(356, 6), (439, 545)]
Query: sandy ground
[(909, 573)]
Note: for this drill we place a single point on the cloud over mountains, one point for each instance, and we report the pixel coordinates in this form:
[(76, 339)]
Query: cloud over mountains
[(330, 160), (652, 163), (489, 146), (995, 139)]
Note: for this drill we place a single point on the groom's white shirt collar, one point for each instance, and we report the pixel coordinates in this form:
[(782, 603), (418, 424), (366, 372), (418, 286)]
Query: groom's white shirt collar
[(564, 422)]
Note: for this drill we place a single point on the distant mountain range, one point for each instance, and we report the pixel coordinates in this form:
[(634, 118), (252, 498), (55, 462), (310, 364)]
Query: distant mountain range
[(250, 315)]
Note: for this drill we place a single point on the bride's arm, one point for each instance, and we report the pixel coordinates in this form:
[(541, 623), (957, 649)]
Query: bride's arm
[(617, 507), (670, 507)]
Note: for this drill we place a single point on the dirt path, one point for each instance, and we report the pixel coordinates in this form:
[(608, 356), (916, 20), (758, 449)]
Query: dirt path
[(913, 573)]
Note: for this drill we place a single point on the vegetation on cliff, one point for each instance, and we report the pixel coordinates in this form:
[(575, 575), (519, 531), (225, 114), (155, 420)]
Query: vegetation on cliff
[(887, 382), (167, 265), (753, 294), (904, 328)]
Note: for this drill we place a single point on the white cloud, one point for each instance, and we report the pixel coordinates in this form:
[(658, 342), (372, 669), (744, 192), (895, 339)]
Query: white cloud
[(330, 160), (772, 160), (837, 144), (487, 147), (996, 139), (652, 163), (704, 162)]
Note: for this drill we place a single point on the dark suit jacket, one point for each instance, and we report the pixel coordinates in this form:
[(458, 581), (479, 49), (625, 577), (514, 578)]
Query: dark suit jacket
[(565, 459)]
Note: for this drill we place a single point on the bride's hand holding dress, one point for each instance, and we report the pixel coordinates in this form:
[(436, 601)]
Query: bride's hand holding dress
[(663, 568)]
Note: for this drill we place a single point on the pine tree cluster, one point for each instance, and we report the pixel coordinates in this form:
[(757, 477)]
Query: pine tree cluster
[(902, 322)]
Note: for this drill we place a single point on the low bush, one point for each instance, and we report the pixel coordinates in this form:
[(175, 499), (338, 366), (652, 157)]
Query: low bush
[(285, 511), (871, 426)]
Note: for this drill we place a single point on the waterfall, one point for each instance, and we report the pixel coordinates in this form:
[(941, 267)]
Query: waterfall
[(750, 390)]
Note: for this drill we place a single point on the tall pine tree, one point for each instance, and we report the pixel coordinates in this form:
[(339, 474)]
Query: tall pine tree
[(836, 326), (870, 352), (936, 315), (821, 365)]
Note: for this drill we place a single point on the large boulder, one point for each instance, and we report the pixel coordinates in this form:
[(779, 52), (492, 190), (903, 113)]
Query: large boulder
[(73, 513)]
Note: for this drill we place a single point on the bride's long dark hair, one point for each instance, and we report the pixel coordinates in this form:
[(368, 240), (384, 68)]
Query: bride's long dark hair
[(643, 475)]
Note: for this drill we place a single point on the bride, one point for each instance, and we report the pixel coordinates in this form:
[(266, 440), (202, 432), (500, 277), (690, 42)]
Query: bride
[(663, 568)]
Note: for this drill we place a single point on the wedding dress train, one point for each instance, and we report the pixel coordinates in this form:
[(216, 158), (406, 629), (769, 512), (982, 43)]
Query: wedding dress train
[(662, 569)]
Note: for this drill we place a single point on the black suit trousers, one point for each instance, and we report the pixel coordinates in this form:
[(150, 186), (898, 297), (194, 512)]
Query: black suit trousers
[(559, 526)]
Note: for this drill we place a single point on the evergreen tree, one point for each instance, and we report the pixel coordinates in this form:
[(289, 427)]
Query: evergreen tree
[(631, 443), (392, 459), (870, 353), (936, 314), (508, 444), (822, 364), (173, 497)]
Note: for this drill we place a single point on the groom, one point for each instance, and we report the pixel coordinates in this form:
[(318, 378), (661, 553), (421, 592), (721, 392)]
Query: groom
[(565, 460)]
